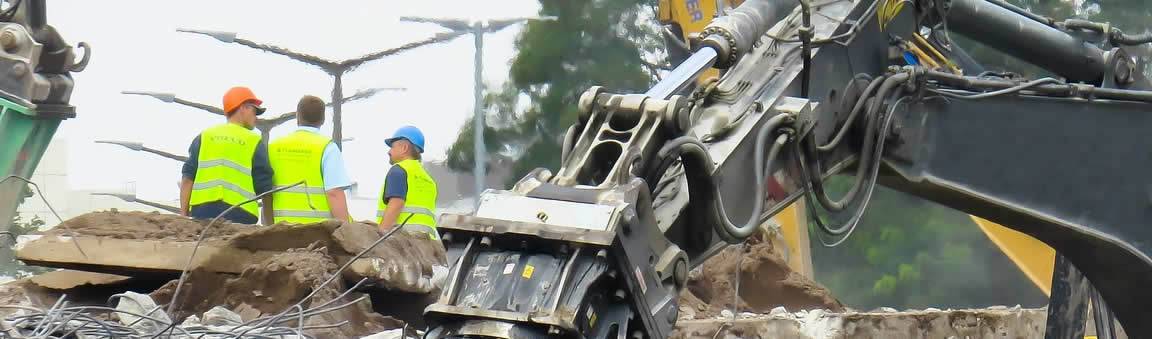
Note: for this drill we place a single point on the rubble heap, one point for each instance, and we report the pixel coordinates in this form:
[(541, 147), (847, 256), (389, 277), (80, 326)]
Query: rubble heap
[(122, 268), (766, 282), (250, 274)]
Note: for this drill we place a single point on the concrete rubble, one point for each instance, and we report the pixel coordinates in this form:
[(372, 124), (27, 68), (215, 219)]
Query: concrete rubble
[(818, 324), (260, 279)]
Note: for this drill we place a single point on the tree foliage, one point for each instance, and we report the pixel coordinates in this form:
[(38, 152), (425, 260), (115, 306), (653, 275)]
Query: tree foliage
[(10, 266), (910, 253), (607, 43)]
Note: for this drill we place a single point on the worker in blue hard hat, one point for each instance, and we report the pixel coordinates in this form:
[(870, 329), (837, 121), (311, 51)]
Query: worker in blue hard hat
[(408, 197)]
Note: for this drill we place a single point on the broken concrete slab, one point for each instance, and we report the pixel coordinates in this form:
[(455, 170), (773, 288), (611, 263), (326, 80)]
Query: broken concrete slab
[(133, 257), (979, 323), (69, 279), (405, 262)]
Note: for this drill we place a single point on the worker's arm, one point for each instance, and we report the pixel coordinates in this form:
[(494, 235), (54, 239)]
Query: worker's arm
[(262, 181), (395, 205), (336, 181), (188, 174), (185, 195), (396, 188), (266, 216), (338, 203)]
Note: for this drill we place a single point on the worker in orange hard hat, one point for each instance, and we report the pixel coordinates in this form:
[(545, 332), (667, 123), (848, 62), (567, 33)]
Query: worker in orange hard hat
[(228, 165)]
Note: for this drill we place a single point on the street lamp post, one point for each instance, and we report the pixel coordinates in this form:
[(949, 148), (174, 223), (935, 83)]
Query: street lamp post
[(336, 69), (131, 197), (477, 28), (139, 146), (263, 125)]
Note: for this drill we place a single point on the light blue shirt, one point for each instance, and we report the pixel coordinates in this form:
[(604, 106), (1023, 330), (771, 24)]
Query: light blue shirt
[(331, 164)]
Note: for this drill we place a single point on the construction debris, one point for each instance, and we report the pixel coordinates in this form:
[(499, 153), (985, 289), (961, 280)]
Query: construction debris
[(277, 285), (766, 282), (242, 277), (818, 324), (271, 281), (405, 262)]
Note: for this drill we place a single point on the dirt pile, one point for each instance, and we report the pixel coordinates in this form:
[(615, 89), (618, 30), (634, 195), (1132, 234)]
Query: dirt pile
[(275, 285), (766, 282), (143, 225)]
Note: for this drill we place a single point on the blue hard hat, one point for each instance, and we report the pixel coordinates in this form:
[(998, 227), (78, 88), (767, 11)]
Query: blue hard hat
[(408, 132)]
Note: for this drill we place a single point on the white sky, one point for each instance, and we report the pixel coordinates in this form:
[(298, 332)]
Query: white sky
[(136, 47)]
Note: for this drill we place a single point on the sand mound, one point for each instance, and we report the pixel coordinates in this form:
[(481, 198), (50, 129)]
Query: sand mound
[(143, 225), (766, 282)]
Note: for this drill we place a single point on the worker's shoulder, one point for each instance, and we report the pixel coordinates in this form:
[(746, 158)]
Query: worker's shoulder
[(394, 169)]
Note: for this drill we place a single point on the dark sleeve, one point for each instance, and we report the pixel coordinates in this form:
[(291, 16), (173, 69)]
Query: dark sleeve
[(261, 169), (396, 184), (190, 165)]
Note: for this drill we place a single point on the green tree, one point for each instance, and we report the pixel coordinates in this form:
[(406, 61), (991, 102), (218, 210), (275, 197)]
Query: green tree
[(605, 43), (9, 265), (910, 253)]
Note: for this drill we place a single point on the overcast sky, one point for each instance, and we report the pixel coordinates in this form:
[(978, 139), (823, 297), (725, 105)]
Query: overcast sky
[(136, 47)]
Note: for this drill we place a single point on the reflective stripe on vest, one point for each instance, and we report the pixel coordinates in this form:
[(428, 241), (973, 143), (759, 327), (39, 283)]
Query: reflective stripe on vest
[(299, 157), (419, 203), (302, 214), (224, 167)]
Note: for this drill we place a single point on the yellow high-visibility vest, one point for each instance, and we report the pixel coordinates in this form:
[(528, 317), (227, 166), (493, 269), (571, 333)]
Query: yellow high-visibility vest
[(224, 167), (295, 157), (419, 203)]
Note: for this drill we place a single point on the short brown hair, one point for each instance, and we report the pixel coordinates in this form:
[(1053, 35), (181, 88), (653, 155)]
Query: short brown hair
[(310, 111)]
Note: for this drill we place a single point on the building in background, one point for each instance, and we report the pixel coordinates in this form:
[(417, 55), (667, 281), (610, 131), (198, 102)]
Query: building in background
[(52, 177)]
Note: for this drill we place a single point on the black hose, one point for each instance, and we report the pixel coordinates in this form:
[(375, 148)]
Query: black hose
[(806, 42), (1118, 37), (37, 14), (719, 217), (852, 115), (763, 169), (851, 224), (865, 157)]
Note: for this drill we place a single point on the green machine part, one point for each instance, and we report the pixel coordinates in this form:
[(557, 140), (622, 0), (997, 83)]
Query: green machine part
[(24, 136)]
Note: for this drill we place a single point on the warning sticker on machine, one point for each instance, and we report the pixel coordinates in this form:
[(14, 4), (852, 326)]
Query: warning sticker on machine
[(528, 271)]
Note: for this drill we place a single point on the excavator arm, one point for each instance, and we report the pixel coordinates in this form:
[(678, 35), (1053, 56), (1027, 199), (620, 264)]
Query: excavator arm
[(35, 88), (874, 88)]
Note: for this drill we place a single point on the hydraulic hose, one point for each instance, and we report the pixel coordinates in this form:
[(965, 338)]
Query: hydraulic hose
[(851, 224), (1119, 38), (852, 116), (700, 161), (725, 223), (865, 156)]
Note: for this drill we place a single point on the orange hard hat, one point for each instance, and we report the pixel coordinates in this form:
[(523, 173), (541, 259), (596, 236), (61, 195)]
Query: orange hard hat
[(237, 96)]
